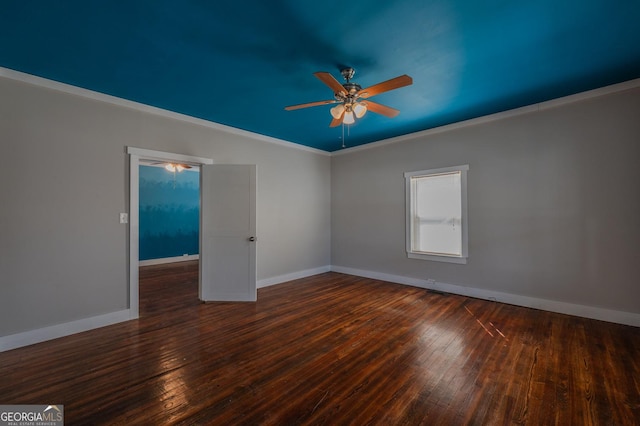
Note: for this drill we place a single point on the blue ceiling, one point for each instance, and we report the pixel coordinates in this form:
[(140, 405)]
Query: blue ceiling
[(240, 63)]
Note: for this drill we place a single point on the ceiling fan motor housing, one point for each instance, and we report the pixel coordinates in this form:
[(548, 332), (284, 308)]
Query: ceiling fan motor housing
[(351, 93)]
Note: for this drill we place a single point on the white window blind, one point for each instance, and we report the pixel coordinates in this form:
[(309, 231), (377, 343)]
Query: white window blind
[(436, 214)]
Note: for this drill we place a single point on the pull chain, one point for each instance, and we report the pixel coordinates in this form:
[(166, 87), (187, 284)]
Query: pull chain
[(348, 133)]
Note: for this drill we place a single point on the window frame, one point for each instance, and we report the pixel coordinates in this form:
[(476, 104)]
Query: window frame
[(409, 209)]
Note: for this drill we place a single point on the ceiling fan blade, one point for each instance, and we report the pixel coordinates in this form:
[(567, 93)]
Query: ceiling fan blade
[(310, 104), (330, 81), (385, 86), (381, 109)]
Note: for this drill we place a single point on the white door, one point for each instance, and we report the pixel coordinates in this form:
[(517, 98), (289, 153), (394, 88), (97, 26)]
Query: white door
[(228, 229)]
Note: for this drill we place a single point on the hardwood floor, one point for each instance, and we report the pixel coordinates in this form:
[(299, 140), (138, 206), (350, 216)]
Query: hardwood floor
[(332, 349)]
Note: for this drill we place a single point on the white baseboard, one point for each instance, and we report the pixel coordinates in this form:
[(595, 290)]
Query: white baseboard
[(53, 332), (163, 260), (292, 276), (31, 337), (619, 317)]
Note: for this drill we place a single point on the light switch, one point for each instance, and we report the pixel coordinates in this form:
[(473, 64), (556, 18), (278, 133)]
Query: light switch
[(124, 218)]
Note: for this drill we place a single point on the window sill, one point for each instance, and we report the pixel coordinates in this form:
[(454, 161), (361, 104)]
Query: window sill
[(436, 258)]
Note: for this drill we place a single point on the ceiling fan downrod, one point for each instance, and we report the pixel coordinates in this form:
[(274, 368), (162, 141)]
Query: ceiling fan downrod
[(347, 73)]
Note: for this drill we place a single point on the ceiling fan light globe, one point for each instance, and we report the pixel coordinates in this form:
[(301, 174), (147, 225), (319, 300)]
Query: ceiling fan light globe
[(360, 109), (337, 111), (170, 167), (348, 118)]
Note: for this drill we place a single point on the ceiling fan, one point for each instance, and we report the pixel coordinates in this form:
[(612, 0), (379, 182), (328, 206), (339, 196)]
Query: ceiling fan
[(171, 167), (350, 97)]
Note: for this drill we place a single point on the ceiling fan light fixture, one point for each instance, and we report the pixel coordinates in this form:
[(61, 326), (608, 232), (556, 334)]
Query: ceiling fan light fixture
[(171, 167), (336, 111), (348, 118), (359, 109)]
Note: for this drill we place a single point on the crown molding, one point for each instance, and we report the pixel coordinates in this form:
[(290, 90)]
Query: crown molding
[(113, 100), (553, 103), (90, 94)]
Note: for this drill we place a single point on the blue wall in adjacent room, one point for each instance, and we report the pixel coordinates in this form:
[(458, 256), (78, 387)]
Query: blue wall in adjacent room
[(169, 213)]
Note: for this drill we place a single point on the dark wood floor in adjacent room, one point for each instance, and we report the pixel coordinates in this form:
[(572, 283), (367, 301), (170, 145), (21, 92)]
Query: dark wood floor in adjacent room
[(332, 349)]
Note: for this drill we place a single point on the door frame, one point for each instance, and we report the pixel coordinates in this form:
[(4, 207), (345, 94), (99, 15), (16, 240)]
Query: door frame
[(135, 156)]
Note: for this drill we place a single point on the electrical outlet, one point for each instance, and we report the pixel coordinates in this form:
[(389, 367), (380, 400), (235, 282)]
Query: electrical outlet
[(431, 282), (124, 218)]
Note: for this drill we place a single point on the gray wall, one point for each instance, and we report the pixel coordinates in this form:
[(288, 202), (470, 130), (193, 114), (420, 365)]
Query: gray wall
[(64, 179), (554, 201), (554, 204)]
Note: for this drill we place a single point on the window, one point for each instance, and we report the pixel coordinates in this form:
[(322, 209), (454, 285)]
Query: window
[(437, 214)]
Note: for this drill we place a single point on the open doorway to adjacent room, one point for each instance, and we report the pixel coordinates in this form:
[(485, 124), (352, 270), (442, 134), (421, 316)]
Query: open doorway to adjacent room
[(169, 231), (226, 270), (155, 271)]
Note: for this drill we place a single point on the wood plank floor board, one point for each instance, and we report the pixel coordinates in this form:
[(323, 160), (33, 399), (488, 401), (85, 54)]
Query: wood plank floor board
[(332, 349)]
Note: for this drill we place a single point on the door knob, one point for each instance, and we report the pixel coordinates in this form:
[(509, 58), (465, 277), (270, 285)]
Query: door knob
[(252, 239)]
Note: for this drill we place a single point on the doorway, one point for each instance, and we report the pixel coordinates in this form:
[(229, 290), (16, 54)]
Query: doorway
[(137, 157), (227, 245), (169, 222)]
